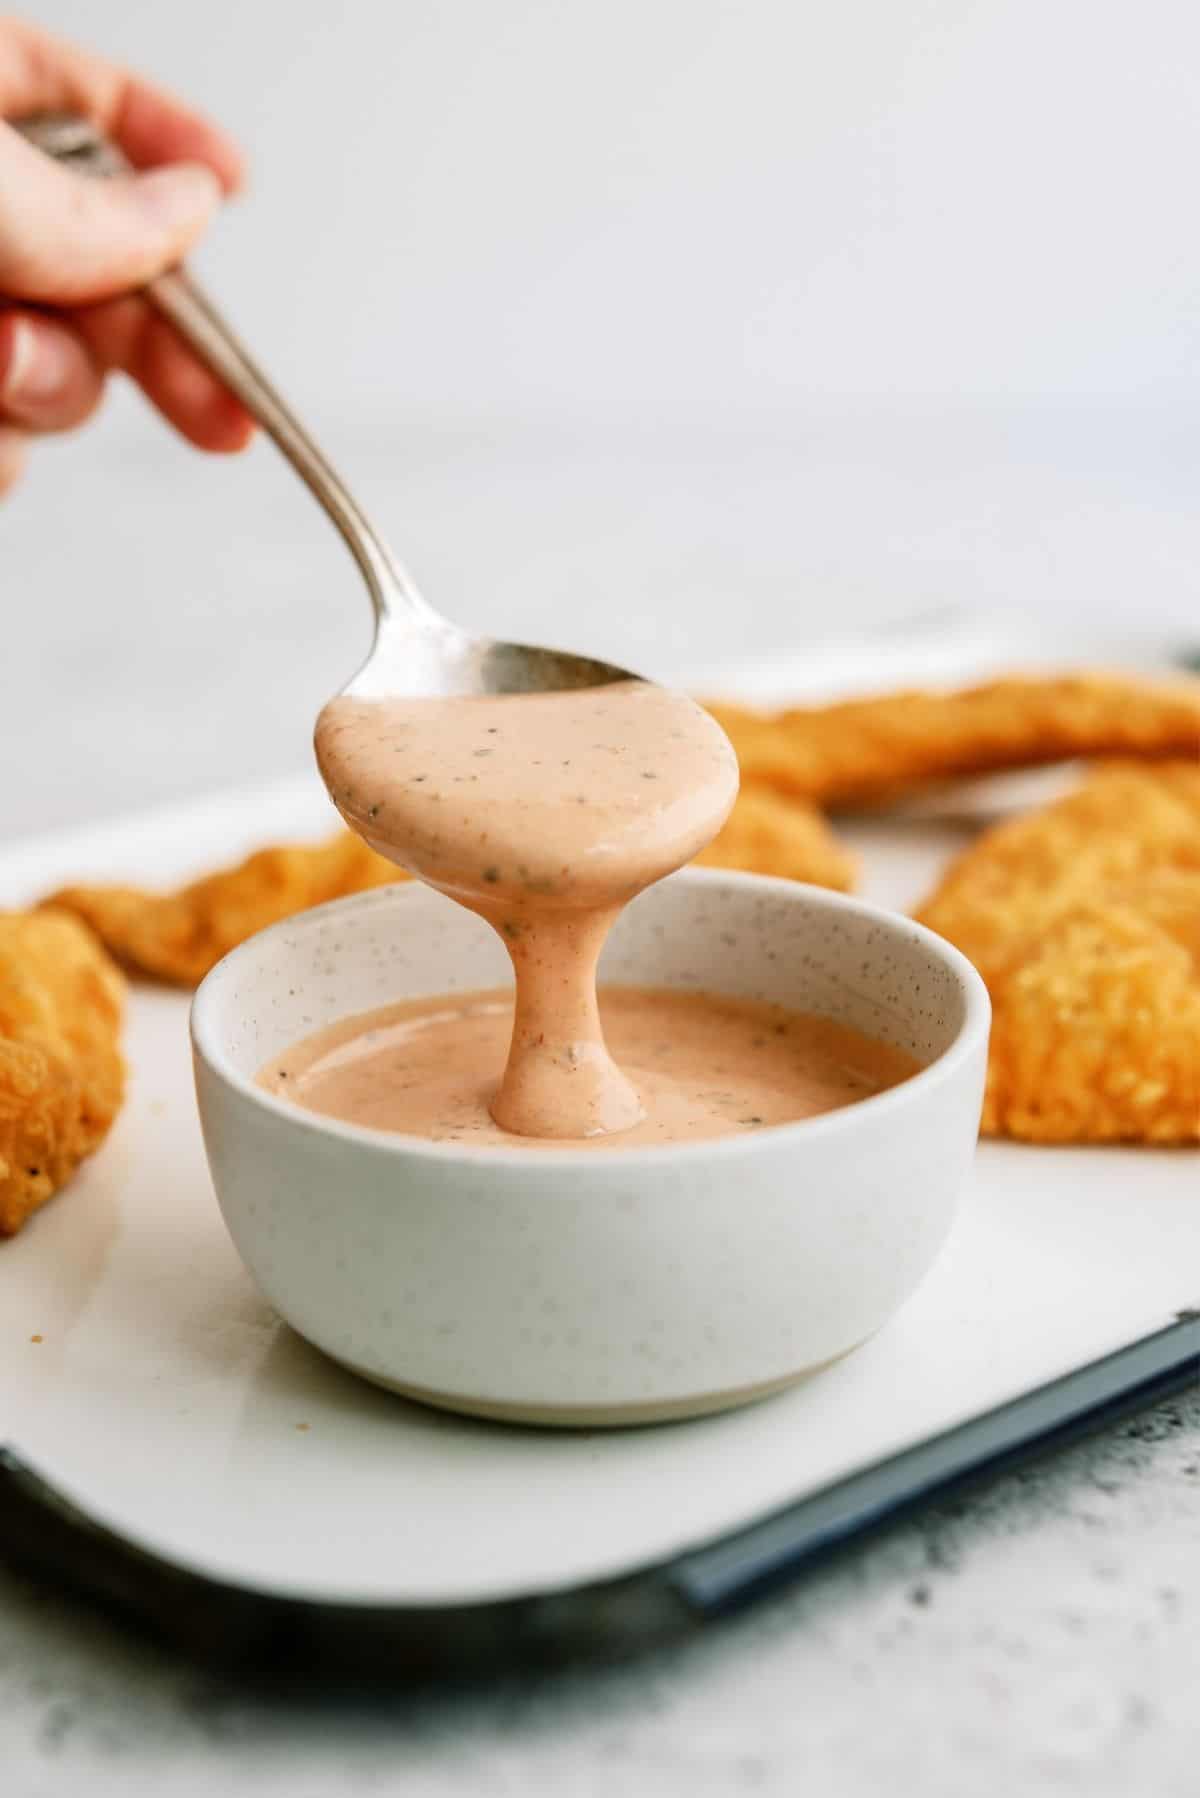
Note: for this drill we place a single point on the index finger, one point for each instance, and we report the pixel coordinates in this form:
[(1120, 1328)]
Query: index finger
[(40, 73)]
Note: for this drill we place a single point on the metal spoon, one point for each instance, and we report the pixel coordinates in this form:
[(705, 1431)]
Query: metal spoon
[(416, 650)]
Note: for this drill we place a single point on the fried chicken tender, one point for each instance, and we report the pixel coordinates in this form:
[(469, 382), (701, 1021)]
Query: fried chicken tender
[(868, 750), (1084, 920), (768, 833), (62, 1077), (177, 937)]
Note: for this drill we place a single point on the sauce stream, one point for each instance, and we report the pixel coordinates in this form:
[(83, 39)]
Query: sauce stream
[(544, 813)]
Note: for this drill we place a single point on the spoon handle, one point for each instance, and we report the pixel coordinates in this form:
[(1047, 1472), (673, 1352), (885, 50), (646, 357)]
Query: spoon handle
[(77, 143)]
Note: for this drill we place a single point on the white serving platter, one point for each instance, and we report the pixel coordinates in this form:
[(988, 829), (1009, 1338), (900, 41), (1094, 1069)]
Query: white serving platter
[(144, 1380)]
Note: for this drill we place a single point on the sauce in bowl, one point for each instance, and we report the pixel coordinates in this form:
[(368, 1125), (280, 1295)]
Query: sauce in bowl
[(704, 1064)]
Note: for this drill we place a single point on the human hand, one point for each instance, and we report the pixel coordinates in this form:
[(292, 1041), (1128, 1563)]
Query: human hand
[(73, 247)]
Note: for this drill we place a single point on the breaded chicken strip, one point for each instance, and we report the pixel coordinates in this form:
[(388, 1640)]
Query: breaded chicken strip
[(179, 936), (1084, 919), (61, 1073), (768, 833), (867, 750)]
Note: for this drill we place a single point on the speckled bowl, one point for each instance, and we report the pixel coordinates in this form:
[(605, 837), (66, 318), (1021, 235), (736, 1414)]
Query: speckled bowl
[(565, 1286)]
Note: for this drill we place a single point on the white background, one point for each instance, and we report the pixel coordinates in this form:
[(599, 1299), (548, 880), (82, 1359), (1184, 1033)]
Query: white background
[(660, 211)]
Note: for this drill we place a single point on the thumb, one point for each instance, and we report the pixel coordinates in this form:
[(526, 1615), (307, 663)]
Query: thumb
[(68, 239)]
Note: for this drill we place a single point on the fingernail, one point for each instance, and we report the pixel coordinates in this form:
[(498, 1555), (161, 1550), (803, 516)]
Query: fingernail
[(179, 196), (40, 366)]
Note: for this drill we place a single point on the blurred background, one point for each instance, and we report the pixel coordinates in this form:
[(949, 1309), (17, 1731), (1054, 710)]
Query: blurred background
[(686, 332)]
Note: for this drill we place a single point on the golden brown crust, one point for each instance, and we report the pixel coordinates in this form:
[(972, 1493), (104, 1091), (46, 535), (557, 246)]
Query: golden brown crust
[(179, 936), (62, 1076), (768, 833), (1084, 920), (867, 750)]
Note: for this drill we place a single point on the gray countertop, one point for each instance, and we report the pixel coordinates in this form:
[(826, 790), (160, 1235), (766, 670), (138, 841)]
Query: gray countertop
[(1041, 1636), (171, 625)]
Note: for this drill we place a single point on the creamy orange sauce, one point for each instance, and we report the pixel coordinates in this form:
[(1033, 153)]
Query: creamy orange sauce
[(544, 813), (705, 1066)]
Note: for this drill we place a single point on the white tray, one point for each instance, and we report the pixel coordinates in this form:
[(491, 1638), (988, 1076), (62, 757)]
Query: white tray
[(165, 1401)]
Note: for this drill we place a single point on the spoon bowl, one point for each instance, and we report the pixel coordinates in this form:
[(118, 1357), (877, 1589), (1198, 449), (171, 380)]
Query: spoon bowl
[(428, 657)]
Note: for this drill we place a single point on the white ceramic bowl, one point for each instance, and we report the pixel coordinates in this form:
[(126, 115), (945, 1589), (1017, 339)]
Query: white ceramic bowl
[(560, 1285)]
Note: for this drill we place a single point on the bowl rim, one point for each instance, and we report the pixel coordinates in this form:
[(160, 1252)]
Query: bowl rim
[(972, 1033)]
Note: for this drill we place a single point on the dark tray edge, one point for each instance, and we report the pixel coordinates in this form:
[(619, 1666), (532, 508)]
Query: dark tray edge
[(222, 1624)]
